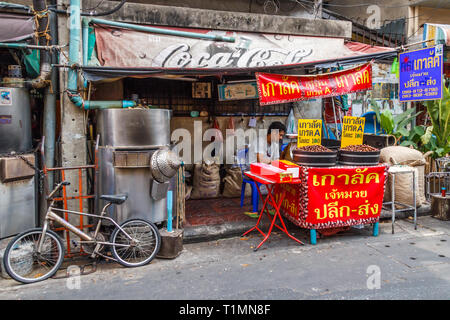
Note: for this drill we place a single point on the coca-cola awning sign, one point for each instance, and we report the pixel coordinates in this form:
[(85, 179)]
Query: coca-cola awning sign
[(133, 49)]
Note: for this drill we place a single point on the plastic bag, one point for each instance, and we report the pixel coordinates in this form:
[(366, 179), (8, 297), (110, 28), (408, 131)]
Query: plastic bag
[(291, 123)]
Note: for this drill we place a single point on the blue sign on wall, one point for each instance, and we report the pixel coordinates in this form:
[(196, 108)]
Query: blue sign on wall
[(421, 74), (238, 91)]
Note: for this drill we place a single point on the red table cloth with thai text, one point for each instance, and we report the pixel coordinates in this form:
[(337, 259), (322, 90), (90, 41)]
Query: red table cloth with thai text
[(335, 196)]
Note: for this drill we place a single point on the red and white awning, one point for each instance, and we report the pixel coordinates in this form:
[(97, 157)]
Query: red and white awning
[(123, 52)]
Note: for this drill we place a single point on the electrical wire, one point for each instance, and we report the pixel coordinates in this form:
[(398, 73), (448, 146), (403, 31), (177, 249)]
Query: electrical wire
[(93, 8), (363, 4), (91, 12), (116, 8)]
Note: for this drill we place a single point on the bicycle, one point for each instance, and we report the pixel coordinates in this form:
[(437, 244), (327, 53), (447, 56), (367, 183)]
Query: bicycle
[(37, 254)]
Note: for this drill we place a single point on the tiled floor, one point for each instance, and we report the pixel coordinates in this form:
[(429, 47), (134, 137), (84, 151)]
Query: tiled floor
[(216, 211)]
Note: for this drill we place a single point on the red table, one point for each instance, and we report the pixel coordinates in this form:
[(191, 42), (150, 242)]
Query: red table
[(270, 185)]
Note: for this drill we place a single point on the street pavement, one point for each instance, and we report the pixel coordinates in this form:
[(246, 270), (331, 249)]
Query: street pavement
[(410, 264)]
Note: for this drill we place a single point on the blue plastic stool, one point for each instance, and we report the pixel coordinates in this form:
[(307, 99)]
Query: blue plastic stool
[(254, 193), (241, 157)]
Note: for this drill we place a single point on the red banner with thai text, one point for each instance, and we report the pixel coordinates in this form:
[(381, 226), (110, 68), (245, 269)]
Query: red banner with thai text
[(335, 197), (277, 88)]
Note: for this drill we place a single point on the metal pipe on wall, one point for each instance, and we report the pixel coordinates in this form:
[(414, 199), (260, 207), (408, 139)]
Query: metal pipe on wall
[(212, 37), (85, 35), (74, 59), (50, 106), (27, 46)]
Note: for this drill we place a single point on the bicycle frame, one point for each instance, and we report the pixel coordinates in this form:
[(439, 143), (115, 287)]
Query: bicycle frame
[(52, 216)]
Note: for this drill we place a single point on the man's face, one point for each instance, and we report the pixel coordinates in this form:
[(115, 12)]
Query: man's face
[(276, 135)]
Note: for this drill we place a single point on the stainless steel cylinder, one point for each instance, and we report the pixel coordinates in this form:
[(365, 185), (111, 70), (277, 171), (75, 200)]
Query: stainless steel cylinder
[(128, 139), (134, 128)]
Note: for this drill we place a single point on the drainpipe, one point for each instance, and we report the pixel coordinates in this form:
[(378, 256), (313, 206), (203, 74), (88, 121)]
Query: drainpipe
[(74, 60), (28, 46), (85, 36), (50, 105)]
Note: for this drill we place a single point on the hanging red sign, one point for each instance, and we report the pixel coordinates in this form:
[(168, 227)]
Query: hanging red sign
[(277, 88)]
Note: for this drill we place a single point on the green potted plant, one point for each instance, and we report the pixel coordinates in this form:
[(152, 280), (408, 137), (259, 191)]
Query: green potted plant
[(438, 134), (394, 125)]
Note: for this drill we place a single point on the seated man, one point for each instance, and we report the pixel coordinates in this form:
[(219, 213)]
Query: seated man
[(267, 149)]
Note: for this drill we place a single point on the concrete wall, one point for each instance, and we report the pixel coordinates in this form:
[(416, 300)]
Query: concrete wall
[(389, 9), (432, 15), (73, 135), (287, 7), (224, 20), (416, 12)]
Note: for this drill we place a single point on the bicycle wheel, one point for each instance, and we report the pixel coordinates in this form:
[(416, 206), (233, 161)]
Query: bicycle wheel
[(141, 248), (24, 264)]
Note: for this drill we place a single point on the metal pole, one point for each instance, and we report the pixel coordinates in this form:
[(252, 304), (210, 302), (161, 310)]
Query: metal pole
[(85, 35), (28, 46), (393, 201), (335, 119), (414, 43), (414, 199), (50, 108)]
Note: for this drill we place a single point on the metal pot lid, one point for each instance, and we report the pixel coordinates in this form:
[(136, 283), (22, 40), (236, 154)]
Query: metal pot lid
[(154, 169), (168, 163)]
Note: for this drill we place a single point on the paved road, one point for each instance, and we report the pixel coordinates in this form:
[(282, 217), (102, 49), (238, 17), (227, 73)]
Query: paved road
[(410, 264)]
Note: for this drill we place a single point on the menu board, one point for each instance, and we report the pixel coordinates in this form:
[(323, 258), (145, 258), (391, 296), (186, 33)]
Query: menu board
[(309, 132), (352, 131)]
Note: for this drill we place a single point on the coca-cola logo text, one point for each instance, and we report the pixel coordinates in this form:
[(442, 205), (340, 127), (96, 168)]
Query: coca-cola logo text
[(181, 56)]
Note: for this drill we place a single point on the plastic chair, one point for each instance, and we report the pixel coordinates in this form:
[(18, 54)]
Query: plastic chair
[(242, 162)]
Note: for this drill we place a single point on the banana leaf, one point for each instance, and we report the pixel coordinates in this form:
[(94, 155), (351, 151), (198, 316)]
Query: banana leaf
[(387, 121), (375, 108), (439, 112), (403, 119)]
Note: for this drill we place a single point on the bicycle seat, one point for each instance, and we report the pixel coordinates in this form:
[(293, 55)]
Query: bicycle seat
[(115, 198)]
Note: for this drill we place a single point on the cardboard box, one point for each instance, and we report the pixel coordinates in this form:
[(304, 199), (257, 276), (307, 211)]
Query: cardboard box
[(271, 172), (287, 166)]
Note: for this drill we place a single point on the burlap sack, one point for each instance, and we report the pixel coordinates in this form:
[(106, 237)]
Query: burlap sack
[(233, 183), (403, 189), (206, 181), (403, 182)]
